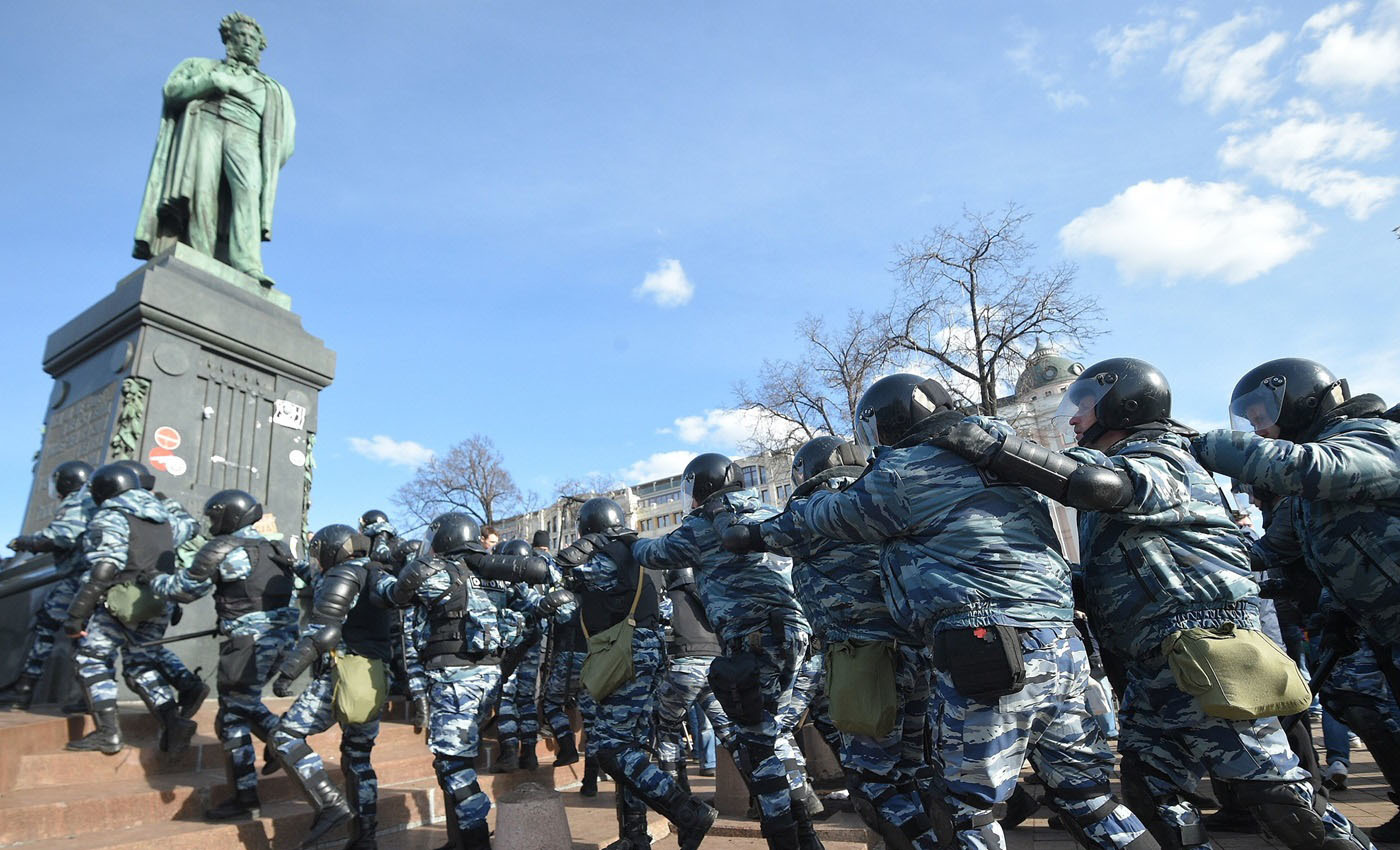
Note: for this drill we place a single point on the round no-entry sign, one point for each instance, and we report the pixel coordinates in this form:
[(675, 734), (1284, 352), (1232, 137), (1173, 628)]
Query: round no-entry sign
[(167, 437)]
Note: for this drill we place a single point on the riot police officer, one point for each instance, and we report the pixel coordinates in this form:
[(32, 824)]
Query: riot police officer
[(63, 538), (612, 588), (382, 535), (350, 618), (838, 584), (254, 600), (972, 568), (762, 630), (462, 654), (1162, 554), (517, 719)]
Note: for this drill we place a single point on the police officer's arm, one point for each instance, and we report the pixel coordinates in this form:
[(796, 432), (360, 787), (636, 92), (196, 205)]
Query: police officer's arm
[(64, 531), (401, 590), (1084, 484), (873, 508), (530, 569), (1280, 544), (339, 590), (1360, 462), (104, 545), (182, 525), (784, 534), (187, 585), (677, 550)]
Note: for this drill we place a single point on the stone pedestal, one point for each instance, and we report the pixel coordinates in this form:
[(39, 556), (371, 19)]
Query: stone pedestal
[(203, 375), (731, 794), (531, 817)]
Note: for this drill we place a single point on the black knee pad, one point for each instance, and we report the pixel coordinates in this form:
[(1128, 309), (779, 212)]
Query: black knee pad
[(1284, 811)]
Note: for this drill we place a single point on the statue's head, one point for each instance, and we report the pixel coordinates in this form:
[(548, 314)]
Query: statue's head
[(243, 38)]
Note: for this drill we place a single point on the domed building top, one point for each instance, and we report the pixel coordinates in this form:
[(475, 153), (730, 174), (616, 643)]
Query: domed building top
[(1045, 367)]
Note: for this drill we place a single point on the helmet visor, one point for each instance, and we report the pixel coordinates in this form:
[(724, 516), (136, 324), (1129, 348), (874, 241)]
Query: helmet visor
[(867, 429), (1258, 409), (53, 486), (688, 493), (1076, 408)]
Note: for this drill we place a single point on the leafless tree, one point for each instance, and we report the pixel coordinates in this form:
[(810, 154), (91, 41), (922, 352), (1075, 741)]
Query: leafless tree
[(470, 476), (817, 393), (971, 302)]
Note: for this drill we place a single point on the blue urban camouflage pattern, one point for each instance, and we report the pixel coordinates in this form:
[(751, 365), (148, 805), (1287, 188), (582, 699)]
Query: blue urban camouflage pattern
[(235, 566), (957, 550), (562, 690), (65, 530), (517, 716), (47, 623), (740, 593), (685, 683), (983, 746), (458, 698), (313, 712), (96, 660), (1172, 559), (1347, 513)]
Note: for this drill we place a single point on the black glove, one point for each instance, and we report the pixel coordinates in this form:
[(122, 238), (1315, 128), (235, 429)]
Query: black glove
[(32, 543), (970, 440), (742, 538), (177, 615), (282, 685), (73, 628), (418, 713), (1339, 634), (554, 600), (281, 555)]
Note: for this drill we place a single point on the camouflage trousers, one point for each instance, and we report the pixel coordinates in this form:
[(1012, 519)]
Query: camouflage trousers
[(517, 716), (770, 749), (1168, 741), (981, 748), (889, 774), (47, 622), (457, 699), (685, 683), (563, 689), (313, 712), (408, 664), (246, 661), (1358, 695), (96, 660), (624, 723)]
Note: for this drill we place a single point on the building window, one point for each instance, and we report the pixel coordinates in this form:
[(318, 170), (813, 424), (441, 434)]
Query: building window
[(676, 517), (763, 495), (751, 476), (784, 490)]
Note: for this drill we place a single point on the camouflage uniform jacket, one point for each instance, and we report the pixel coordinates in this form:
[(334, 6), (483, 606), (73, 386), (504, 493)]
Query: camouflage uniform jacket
[(957, 550), (1347, 511), (235, 566), (380, 535), (838, 583), (741, 593), (65, 530), (109, 532), (481, 619), (1172, 559)]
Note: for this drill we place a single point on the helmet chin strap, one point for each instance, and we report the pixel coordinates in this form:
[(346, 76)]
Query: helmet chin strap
[(1092, 434)]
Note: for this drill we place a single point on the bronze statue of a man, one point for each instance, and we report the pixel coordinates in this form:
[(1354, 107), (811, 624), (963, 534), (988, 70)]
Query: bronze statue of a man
[(226, 130)]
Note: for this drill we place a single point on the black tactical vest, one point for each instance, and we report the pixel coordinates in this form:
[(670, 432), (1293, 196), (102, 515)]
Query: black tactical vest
[(691, 633), (366, 628), (462, 624), (567, 636), (267, 587), (603, 609), (150, 549)]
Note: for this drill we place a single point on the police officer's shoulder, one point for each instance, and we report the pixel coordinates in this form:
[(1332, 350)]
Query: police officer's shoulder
[(1370, 428)]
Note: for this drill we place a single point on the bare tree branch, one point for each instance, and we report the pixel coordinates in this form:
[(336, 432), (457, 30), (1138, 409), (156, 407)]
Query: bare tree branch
[(970, 301), (469, 477)]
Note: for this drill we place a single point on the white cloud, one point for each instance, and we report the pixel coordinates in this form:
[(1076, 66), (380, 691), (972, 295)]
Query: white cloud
[(659, 465), (394, 452), (725, 427), (1330, 17), (1292, 153), (667, 286), (1125, 45), (1348, 58), (1215, 69), (1024, 57), (1176, 228)]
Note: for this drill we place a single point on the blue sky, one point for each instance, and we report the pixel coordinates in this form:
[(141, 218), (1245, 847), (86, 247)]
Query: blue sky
[(482, 191)]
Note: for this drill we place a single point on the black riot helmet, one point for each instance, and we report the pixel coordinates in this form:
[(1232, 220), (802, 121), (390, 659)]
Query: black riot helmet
[(230, 510), (370, 517), (823, 453), (893, 405), (518, 548), (112, 480), (143, 474), (69, 477), (453, 534), (599, 514), (1123, 393), (1292, 393), (707, 475), (335, 544)]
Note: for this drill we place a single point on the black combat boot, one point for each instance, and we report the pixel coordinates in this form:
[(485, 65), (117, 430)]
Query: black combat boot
[(568, 749), (244, 803), (20, 693), (510, 758), (1022, 805), (363, 833), (190, 695), (780, 832), (528, 759), (454, 832), (631, 822), (175, 731), (691, 816), (590, 777), (476, 836), (807, 838), (331, 808), (107, 737)]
